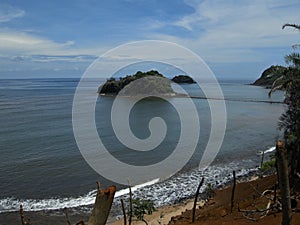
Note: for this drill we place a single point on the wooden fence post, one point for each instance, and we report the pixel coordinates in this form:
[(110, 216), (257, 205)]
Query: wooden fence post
[(284, 185), (232, 192), (102, 206)]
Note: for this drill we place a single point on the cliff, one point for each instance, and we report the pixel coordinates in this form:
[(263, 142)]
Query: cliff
[(269, 76)]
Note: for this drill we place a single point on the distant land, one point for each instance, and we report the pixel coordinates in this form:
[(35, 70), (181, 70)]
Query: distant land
[(153, 82), (183, 79), (269, 75)]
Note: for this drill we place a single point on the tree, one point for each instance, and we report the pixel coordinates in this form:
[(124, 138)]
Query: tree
[(153, 83), (141, 207), (289, 121)]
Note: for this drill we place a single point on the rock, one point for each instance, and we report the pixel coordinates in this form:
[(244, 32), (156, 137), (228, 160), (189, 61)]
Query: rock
[(183, 79)]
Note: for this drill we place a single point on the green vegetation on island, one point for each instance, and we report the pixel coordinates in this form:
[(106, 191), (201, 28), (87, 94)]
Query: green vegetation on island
[(269, 75), (151, 82), (146, 83), (183, 79)]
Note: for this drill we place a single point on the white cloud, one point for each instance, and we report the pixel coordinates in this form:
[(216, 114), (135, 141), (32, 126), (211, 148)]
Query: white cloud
[(8, 13), (232, 31), (19, 42), (218, 31), (21, 46)]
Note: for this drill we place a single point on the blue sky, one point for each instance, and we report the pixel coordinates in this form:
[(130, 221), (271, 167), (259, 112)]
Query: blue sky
[(237, 39)]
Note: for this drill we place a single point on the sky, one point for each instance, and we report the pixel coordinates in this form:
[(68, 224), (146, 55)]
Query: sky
[(61, 38)]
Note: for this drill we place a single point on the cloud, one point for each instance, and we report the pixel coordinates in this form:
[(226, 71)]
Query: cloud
[(14, 44), (221, 32), (8, 13), (54, 58), (233, 31), (20, 51), (20, 42)]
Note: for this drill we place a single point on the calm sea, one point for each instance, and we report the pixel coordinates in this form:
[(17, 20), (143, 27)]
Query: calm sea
[(42, 167)]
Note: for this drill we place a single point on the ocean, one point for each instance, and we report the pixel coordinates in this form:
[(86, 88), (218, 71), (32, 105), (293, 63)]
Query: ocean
[(43, 169)]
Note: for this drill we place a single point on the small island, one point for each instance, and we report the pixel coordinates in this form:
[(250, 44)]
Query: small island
[(269, 75), (147, 83), (183, 79)]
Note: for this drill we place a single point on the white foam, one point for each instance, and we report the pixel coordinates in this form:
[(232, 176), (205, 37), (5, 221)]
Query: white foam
[(271, 149), (126, 190), (13, 204)]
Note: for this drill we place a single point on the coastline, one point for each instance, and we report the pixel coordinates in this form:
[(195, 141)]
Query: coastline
[(182, 95), (163, 215)]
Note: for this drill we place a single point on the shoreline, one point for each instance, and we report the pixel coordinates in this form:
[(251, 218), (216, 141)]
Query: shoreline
[(182, 95), (162, 216)]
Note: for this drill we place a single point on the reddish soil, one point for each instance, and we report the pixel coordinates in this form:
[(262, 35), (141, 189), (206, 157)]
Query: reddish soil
[(247, 197)]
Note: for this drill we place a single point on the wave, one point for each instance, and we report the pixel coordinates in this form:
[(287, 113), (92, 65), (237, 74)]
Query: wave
[(13, 204), (269, 150), (135, 188)]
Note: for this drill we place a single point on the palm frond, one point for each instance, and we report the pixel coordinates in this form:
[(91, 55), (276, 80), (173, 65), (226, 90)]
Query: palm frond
[(296, 26), (283, 122), (293, 58), (275, 85)]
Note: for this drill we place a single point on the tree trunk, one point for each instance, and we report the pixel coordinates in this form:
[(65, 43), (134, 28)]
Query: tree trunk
[(284, 185), (102, 206)]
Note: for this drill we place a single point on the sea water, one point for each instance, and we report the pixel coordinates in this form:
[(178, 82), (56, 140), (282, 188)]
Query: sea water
[(42, 167)]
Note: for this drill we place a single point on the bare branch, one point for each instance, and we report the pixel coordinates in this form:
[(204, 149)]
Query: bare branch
[(249, 218), (196, 197), (124, 211), (130, 204), (275, 86)]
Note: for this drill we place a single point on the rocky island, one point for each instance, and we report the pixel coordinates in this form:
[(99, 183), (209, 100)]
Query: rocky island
[(183, 79), (146, 83)]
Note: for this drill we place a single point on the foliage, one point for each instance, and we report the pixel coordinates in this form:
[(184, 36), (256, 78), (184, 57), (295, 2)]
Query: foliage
[(153, 83), (269, 75), (142, 207), (183, 79), (289, 121), (268, 165), (209, 190)]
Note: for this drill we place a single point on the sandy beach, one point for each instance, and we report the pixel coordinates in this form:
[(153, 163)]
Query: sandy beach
[(164, 214)]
